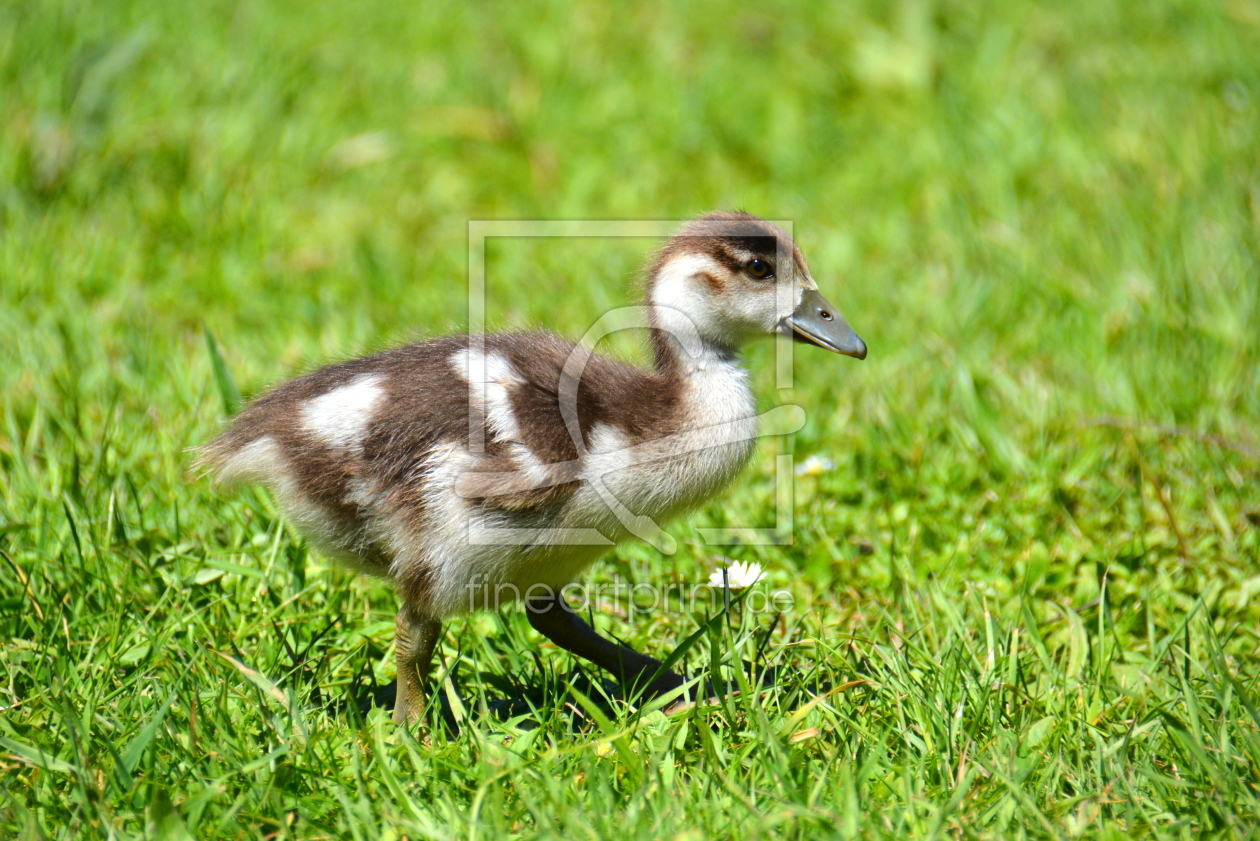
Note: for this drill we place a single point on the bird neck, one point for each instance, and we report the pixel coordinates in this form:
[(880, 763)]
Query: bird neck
[(680, 346), (674, 359)]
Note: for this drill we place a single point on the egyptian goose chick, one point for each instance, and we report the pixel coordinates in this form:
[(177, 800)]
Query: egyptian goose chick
[(473, 470)]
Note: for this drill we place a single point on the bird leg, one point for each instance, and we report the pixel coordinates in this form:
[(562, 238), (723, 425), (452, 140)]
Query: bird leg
[(417, 636), (552, 617)]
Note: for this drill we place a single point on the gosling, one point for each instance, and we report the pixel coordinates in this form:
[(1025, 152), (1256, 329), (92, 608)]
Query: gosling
[(473, 470)]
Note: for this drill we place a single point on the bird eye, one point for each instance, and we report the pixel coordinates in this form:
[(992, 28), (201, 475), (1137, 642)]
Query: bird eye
[(759, 269)]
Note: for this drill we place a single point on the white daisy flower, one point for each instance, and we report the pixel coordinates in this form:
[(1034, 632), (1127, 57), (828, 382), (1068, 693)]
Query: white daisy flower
[(739, 575), (814, 466)]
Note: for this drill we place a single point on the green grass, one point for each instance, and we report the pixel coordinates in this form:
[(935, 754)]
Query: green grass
[(1030, 579)]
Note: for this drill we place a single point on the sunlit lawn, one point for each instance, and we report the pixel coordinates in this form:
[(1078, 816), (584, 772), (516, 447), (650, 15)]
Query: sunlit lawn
[(1025, 568)]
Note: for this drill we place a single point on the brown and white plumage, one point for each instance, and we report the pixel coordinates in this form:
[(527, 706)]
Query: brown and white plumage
[(472, 469)]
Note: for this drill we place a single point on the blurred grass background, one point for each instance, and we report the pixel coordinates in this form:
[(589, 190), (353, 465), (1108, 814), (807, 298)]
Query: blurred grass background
[(1029, 570)]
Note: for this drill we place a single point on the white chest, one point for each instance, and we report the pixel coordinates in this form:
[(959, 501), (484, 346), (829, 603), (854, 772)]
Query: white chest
[(707, 445)]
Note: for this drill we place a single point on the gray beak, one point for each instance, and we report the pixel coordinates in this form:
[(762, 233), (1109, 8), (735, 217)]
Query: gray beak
[(819, 323)]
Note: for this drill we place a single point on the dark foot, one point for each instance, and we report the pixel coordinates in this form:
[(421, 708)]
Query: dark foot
[(710, 694)]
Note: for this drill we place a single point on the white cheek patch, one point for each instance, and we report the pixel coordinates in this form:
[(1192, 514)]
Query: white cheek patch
[(490, 392), (340, 417), (684, 305), (676, 284)]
